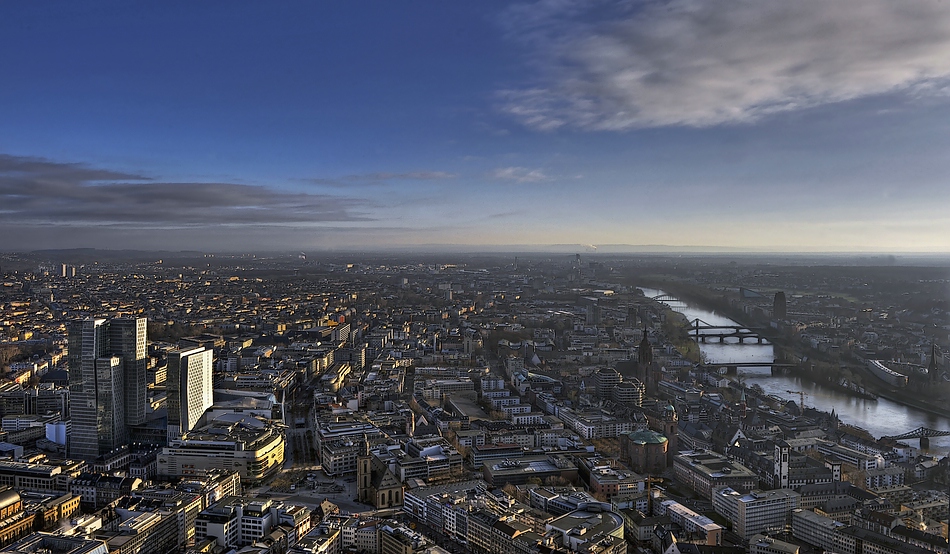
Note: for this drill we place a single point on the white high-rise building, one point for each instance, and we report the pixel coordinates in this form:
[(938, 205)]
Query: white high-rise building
[(189, 388)]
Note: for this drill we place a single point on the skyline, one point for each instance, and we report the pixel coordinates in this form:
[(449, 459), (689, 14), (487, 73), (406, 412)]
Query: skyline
[(763, 126)]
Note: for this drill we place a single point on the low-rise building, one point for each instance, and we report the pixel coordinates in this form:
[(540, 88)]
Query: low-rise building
[(58, 544), (521, 470), (709, 531), (705, 472), (884, 477), (14, 522), (238, 521), (399, 539), (604, 477), (480, 455), (757, 511), (594, 529), (247, 445), (761, 544), (815, 529), (98, 491), (39, 477)]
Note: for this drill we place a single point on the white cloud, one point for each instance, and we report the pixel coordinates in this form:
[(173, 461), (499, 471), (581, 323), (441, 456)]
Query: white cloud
[(519, 174), (622, 65)]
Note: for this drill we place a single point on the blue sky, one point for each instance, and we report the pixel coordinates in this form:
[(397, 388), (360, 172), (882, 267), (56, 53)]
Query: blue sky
[(772, 125)]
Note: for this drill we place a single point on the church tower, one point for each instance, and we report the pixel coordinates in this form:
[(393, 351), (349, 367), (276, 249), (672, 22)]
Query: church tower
[(645, 362), (364, 473), (671, 430), (781, 465), (932, 370), (645, 351)]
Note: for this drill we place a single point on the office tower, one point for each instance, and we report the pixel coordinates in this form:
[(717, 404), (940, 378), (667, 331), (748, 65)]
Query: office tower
[(128, 340), (779, 306), (189, 388), (594, 314), (104, 361), (96, 390)]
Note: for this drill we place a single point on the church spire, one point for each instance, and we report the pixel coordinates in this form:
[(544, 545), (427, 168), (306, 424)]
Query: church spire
[(645, 350), (932, 368)]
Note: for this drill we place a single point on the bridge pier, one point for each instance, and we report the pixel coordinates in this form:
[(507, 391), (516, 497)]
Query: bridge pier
[(924, 443)]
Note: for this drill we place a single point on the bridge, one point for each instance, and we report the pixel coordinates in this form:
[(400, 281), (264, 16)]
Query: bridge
[(712, 332), (922, 433), (722, 332), (732, 368)]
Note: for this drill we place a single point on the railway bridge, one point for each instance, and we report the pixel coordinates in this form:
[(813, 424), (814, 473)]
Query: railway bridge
[(922, 433)]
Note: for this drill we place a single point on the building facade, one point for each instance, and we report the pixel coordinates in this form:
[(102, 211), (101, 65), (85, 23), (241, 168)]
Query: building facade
[(107, 383), (189, 388)]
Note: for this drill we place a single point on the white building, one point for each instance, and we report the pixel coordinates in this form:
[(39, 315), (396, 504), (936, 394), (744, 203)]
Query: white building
[(189, 388), (884, 477), (757, 511), (816, 530)]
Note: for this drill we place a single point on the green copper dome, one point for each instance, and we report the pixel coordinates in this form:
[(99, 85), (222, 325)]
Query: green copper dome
[(646, 437)]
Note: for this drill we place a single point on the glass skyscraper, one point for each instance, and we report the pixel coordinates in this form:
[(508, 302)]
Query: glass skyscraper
[(107, 384)]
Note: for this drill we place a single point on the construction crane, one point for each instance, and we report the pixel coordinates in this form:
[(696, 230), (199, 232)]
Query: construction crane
[(801, 396), (650, 481)]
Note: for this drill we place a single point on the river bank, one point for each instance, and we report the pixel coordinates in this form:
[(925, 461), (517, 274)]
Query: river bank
[(788, 351), (885, 416), (942, 411), (858, 393)]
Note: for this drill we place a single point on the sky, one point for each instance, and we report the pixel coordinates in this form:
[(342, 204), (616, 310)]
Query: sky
[(236, 126)]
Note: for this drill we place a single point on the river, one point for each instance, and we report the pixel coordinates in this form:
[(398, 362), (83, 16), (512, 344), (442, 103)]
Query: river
[(880, 417)]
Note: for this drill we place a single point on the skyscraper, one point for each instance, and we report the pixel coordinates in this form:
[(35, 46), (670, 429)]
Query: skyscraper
[(106, 368), (128, 340), (779, 306), (188, 388)]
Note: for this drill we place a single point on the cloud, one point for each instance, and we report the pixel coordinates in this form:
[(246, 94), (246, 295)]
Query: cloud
[(519, 174), (616, 65), (506, 215), (39, 192), (379, 178)]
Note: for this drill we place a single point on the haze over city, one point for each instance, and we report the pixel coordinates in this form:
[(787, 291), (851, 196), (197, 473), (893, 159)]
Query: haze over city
[(757, 126), (522, 277)]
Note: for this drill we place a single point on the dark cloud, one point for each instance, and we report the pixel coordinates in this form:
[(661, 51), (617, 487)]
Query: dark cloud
[(380, 178), (36, 192), (46, 170)]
